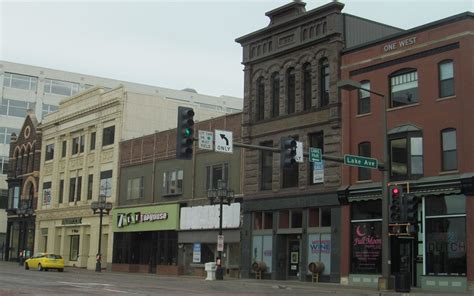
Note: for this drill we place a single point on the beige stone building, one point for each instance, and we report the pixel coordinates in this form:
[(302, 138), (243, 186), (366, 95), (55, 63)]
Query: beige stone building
[(27, 87), (80, 162)]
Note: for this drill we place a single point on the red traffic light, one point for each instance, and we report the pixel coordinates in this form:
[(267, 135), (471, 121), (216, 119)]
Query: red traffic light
[(395, 190)]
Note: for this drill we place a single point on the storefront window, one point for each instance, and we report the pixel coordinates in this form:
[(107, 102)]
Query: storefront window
[(319, 250), (366, 237), (262, 249), (366, 251), (13, 197), (157, 247), (366, 210), (445, 227)]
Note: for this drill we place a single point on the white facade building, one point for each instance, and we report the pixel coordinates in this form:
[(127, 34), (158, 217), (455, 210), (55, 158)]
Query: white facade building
[(24, 87)]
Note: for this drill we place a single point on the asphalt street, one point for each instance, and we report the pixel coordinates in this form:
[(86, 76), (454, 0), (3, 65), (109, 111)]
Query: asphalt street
[(15, 280)]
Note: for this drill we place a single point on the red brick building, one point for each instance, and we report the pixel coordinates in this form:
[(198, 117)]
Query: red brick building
[(22, 182), (426, 75)]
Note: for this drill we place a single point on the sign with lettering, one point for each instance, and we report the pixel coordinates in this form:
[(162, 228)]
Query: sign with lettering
[(205, 140), (146, 218), (367, 247), (318, 172), (68, 221), (399, 44), (197, 253), (315, 154), (299, 151), (125, 219), (220, 243), (360, 161), (223, 141)]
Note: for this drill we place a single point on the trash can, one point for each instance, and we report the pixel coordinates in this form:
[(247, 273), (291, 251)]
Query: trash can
[(402, 282), (210, 268)]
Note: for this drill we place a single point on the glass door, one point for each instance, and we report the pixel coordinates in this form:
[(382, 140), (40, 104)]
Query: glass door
[(293, 257)]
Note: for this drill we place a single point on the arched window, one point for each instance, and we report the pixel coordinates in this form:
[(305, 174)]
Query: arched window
[(260, 98), (324, 84), (19, 163), (33, 158), (364, 98), (307, 90), (275, 94), (446, 78), (404, 88), (290, 86), (449, 149)]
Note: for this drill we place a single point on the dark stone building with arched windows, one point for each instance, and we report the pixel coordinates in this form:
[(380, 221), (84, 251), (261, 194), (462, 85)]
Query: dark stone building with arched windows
[(22, 179), (291, 216)]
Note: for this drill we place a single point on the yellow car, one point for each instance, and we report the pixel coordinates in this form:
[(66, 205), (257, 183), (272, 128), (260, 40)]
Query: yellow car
[(45, 261)]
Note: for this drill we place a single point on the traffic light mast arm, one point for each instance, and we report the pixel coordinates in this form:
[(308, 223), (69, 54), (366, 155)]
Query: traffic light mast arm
[(277, 150), (305, 154)]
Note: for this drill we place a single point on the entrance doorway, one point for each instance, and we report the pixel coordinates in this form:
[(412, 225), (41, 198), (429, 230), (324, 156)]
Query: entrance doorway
[(293, 258), (403, 258)]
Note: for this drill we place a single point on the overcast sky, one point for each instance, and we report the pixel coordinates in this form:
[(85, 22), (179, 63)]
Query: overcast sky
[(174, 44)]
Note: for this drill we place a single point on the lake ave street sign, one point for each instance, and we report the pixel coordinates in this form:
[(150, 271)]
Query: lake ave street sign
[(360, 161)]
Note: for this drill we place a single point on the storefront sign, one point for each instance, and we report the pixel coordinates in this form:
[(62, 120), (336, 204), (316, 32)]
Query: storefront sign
[(162, 217), (68, 221), (366, 247), (399, 44), (207, 217), (197, 253), (125, 219), (319, 250), (320, 246)]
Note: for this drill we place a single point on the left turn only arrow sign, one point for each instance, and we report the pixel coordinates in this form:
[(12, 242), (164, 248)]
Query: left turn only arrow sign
[(223, 141)]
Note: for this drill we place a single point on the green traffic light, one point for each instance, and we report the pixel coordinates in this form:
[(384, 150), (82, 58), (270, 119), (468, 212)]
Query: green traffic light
[(187, 132)]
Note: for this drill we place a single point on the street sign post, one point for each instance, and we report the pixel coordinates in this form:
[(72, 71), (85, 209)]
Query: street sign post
[(220, 243), (360, 161), (315, 154), (223, 141), (205, 140)]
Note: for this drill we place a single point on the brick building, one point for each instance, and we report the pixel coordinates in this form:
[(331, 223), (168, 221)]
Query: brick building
[(22, 179), (426, 74), (292, 216), (153, 181)]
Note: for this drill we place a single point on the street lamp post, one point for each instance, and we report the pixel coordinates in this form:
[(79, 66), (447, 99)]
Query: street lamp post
[(218, 195), (350, 85), (100, 207)]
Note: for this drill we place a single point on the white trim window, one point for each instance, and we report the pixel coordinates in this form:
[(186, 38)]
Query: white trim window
[(5, 134), (15, 108), (214, 173), (173, 182), (135, 188), (59, 87), (105, 183), (20, 81), (48, 109), (404, 88)]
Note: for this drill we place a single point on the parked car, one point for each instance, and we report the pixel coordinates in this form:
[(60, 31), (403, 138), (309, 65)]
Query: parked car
[(45, 261)]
